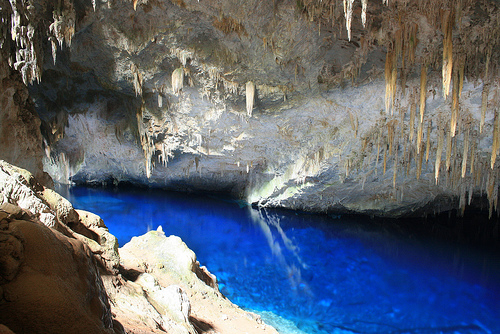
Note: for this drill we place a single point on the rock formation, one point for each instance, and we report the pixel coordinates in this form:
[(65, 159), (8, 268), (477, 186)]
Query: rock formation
[(61, 271), (385, 108)]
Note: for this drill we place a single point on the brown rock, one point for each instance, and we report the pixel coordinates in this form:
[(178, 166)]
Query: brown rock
[(50, 283)]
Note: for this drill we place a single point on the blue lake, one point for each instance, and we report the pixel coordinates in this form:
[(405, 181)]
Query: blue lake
[(324, 275)]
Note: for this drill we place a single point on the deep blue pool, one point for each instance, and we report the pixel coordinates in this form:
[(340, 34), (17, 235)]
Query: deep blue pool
[(323, 275)]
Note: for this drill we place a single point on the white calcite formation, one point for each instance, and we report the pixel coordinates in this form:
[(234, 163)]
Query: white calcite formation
[(357, 106)]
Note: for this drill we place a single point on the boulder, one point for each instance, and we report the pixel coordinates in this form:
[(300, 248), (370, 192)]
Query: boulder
[(107, 244), (171, 279), (49, 283)]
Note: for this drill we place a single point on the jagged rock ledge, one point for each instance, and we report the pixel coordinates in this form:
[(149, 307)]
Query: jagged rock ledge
[(61, 271)]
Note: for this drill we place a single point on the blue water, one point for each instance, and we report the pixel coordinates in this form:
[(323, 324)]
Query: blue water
[(325, 275)]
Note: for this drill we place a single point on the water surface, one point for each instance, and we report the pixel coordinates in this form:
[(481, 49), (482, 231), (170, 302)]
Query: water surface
[(323, 275)]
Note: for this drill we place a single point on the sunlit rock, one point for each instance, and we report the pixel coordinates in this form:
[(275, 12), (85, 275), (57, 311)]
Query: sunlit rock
[(48, 280), (167, 272)]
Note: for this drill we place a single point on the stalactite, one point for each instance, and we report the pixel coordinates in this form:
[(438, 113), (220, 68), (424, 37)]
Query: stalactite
[(420, 158), (461, 75), (348, 16), (420, 133), (449, 140), (490, 191), (250, 97), (462, 202), (465, 153), (428, 144), (472, 158), (412, 41), (408, 161), (385, 160), (390, 134), (395, 169), (378, 152), (390, 80), (413, 111), (495, 144), (454, 106), (447, 29), (439, 151), (137, 79), (364, 6), (177, 80), (484, 105), (471, 192), (423, 91)]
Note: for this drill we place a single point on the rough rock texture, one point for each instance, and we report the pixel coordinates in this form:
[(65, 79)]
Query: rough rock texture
[(20, 136), (385, 108), (393, 114), (49, 283), (165, 270)]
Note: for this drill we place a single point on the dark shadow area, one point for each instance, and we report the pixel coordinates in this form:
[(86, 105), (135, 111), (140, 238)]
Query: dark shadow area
[(129, 274), (200, 326)]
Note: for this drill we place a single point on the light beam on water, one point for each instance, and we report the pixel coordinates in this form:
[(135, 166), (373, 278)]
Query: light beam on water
[(323, 275)]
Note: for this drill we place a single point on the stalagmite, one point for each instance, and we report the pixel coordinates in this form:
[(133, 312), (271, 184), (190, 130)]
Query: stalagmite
[(447, 27), (177, 80), (465, 153), (250, 96), (438, 154)]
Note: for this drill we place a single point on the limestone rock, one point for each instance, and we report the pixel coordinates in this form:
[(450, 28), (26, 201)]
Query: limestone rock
[(108, 244), (61, 206), (171, 279), (50, 283), (18, 187)]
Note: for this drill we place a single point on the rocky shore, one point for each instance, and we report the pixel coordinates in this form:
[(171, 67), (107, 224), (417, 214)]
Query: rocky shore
[(61, 271)]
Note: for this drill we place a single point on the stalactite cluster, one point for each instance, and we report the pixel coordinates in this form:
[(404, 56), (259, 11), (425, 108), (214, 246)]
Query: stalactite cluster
[(462, 55)]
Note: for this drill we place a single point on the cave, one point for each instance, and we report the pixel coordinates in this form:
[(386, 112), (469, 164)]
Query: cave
[(380, 109)]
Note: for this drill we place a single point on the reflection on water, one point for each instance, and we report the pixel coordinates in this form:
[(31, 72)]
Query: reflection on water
[(268, 223), (325, 275)]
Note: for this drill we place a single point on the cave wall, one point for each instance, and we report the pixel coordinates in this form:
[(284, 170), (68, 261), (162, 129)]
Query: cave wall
[(384, 108)]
